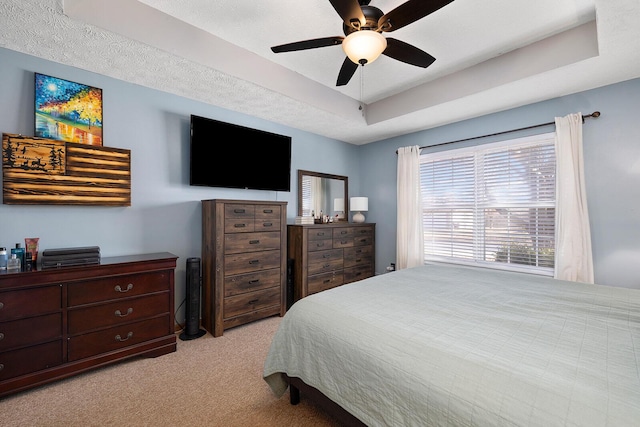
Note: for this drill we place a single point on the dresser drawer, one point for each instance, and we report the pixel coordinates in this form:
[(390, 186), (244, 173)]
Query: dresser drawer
[(343, 237), (322, 282), (239, 218), (363, 236), (320, 245), (234, 285), (117, 313), (118, 337), (320, 233), (251, 301), (358, 255), (117, 287), (32, 330), (357, 273), (31, 359), (251, 242), (249, 262), (30, 302), (267, 218), (325, 261)]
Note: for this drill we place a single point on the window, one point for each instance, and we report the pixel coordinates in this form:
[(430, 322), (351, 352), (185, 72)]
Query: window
[(491, 205)]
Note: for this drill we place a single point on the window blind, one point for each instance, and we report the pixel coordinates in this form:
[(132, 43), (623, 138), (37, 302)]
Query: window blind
[(493, 204)]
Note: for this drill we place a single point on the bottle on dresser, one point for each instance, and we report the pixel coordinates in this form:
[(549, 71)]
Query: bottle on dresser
[(3, 259), (19, 252), (13, 264)]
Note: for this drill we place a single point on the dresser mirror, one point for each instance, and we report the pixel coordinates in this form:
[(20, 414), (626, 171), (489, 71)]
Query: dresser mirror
[(322, 192)]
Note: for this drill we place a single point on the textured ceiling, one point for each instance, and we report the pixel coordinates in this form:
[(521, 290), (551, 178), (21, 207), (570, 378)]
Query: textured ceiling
[(490, 56)]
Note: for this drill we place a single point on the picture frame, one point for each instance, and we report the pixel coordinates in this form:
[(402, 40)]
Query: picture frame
[(67, 111)]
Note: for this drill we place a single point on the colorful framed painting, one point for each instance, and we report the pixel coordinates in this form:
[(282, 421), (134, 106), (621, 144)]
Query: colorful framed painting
[(67, 111)]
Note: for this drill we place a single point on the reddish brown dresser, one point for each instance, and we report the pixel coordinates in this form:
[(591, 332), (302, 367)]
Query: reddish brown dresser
[(57, 322)]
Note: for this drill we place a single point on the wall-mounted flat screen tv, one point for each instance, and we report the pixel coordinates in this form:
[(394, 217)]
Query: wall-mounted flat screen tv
[(232, 156)]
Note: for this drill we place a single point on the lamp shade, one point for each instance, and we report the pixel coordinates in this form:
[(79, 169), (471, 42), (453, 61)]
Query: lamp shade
[(359, 204), (338, 205), (364, 46)]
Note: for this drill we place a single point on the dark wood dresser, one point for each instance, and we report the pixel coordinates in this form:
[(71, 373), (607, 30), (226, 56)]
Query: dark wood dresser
[(328, 255), (243, 262), (58, 322)]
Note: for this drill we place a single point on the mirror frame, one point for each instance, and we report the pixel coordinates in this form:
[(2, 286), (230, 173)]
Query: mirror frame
[(302, 173)]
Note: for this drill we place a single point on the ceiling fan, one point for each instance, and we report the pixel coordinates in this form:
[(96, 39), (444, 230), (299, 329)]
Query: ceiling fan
[(363, 26)]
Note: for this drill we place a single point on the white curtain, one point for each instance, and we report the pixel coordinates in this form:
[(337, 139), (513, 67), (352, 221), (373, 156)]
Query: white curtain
[(409, 243), (573, 236)]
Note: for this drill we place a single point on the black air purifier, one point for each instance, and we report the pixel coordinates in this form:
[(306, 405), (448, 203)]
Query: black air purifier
[(192, 318)]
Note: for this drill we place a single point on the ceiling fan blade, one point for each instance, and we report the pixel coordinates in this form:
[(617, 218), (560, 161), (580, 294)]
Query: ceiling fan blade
[(349, 10), (347, 71), (405, 52), (409, 12), (308, 44)]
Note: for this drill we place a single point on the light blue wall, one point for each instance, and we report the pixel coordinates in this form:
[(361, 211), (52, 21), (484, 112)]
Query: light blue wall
[(612, 172), (165, 211)]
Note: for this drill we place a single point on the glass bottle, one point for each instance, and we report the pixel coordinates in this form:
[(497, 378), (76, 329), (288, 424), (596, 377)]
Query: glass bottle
[(13, 264), (3, 259)]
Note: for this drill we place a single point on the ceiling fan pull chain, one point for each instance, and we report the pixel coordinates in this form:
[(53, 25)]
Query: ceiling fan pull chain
[(361, 108)]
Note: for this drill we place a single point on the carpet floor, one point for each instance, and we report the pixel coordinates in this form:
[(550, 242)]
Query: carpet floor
[(207, 382)]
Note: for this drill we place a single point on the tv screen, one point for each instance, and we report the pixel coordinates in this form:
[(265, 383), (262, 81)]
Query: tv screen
[(233, 156)]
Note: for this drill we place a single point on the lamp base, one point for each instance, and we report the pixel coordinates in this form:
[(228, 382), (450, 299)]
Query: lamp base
[(358, 217)]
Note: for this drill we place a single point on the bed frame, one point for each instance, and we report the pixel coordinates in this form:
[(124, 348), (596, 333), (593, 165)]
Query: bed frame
[(297, 386)]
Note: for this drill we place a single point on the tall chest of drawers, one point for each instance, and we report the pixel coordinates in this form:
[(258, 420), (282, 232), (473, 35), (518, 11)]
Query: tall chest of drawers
[(58, 322), (328, 255), (243, 262)]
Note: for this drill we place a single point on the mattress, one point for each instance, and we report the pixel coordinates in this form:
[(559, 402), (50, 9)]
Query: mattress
[(443, 345)]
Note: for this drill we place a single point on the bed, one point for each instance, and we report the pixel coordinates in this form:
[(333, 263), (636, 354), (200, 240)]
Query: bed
[(442, 345)]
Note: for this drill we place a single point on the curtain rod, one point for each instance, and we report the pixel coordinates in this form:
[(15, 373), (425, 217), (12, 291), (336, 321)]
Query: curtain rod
[(595, 114)]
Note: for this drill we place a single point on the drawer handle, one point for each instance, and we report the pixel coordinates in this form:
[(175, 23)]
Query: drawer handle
[(327, 281), (343, 232), (1, 305), (118, 288), (1, 366), (238, 211), (268, 211), (326, 256), (254, 261), (254, 281), (321, 233), (267, 224), (344, 242), (1, 336), (240, 225), (326, 266), (254, 242), (119, 338), (358, 259), (119, 313), (253, 301), (319, 245)]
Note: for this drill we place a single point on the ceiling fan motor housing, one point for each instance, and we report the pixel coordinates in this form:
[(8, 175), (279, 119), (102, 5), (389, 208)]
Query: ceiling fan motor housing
[(371, 14)]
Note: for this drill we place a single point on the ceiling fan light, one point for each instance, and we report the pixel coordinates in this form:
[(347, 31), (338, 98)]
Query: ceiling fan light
[(364, 45)]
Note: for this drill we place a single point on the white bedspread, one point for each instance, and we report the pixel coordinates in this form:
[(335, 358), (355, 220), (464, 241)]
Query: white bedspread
[(454, 346)]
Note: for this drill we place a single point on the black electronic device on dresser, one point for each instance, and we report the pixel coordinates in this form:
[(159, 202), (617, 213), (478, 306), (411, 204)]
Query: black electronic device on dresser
[(58, 322)]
